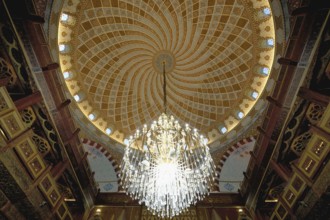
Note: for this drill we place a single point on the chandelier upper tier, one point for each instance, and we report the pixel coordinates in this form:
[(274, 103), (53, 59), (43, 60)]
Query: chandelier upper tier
[(166, 166)]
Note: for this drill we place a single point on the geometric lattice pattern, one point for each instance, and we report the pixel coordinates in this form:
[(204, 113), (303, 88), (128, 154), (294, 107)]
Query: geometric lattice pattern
[(217, 49)]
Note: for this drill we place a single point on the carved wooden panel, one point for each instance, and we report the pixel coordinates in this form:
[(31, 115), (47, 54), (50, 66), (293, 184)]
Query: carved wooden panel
[(307, 165), (41, 143), (289, 197), (7, 70), (49, 188), (3, 140), (325, 121), (280, 212), (318, 147), (46, 184), (53, 196), (26, 149), (6, 104), (36, 166), (12, 124), (297, 184), (28, 116), (299, 143), (62, 211)]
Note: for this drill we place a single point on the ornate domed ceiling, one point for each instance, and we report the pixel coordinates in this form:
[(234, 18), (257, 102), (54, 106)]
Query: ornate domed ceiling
[(218, 56)]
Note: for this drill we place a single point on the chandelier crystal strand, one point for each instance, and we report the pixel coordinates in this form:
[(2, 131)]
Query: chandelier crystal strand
[(166, 166)]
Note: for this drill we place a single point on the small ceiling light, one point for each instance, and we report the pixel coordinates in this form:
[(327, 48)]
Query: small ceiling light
[(98, 210), (205, 140), (64, 17), (108, 131), (265, 71), (91, 116), (126, 141), (240, 210), (240, 115), (76, 97), (61, 47), (266, 11), (66, 75), (270, 42), (254, 95), (223, 129)]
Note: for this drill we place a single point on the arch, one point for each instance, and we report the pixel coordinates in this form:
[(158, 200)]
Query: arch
[(226, 155), (106, 154)]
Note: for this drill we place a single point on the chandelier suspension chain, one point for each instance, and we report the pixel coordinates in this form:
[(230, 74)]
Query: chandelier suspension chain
[(164, 88)]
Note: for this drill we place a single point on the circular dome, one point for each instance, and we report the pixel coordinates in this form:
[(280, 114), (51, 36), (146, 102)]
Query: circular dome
[(215, 54)]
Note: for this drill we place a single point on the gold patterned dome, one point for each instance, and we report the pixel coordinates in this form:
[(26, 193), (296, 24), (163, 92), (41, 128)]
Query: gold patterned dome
[(218, 55)]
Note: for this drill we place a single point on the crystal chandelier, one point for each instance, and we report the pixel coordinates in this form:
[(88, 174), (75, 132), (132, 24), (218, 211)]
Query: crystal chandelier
[(166, 166)]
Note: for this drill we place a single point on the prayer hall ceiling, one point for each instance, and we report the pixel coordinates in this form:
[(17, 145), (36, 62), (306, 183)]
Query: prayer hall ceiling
[(219, 58)]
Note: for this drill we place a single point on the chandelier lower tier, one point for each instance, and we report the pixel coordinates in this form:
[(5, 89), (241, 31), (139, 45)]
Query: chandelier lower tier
[(167, 167)]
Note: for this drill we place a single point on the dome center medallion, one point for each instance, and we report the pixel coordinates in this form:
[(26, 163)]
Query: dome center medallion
[(164, 56)]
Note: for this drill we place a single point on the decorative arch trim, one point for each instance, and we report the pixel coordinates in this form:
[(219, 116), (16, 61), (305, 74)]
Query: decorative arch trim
[(107, 154), (225, 157)]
